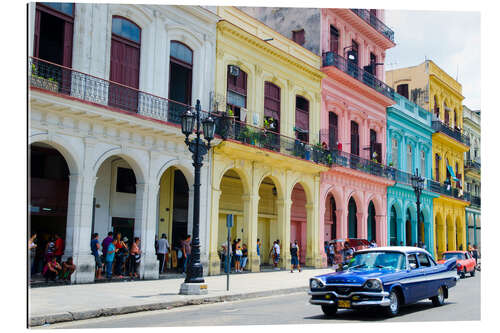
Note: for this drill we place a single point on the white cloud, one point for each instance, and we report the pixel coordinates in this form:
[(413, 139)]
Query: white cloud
[(450, 39)]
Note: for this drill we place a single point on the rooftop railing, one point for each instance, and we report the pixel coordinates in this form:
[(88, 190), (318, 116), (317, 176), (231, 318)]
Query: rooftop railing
[(456, 134), (375, 22), (472, 164), (333, 59)]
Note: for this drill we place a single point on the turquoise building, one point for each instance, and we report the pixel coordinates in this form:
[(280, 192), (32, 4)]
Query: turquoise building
[(409, 147)]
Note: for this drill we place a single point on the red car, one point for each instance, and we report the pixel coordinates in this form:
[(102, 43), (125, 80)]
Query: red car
[(465, 262)]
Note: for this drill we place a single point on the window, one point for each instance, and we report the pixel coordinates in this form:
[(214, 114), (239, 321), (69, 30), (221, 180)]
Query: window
[(353, 52), (422, 163), (125, 60), (299, 36), (403, 90), (236, 91), (424, 260), (375, 147), (395, 159), (468, 187), (332, 130), (436, 107), (334, 39), (125, 180), (409, 159), (272, 106), (372, 68), (66, 8), (412, 259), (180, 81), (446, 115), (302, 118), (354, 138), (436, 171)]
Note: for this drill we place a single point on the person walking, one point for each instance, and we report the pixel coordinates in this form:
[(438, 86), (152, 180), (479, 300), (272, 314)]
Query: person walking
[(331, 254), (294, 252), (32, 253), (135, 257), (186, 252), (163, 247), (258, 250), (58, 248), (244, 257), (237, 254), (276, 248), (110, 256), (104, 245), (95, 247)]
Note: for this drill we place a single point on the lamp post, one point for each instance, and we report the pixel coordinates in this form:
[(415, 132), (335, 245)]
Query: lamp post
[(194, 282), (417, 183)]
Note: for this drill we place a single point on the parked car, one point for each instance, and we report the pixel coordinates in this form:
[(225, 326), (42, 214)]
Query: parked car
[(385, 277), (465, 262)]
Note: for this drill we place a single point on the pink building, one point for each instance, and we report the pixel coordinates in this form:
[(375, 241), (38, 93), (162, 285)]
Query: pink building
[(352, 43)]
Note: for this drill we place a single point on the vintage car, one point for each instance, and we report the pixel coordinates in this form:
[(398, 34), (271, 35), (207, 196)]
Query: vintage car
[(386, 277), (465, 262)]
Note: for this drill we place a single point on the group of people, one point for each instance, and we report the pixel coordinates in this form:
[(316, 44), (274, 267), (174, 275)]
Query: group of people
[(180, 255), (115, 257), (46, 258), (341, 256)]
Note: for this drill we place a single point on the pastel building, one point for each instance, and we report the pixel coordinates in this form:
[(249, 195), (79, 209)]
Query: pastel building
[(108, 83), (352, 44), (437, 92), (266, 172), (409, 142)]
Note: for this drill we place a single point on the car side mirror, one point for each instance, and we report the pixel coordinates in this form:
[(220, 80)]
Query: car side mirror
[(413, 266), (345, 267)]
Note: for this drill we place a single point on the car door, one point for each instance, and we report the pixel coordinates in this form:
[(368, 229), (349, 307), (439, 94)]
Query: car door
[(414, 279), (427, 287), (469, 262)]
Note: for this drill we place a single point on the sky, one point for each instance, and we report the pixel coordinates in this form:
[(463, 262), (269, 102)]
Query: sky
[(450, 39)]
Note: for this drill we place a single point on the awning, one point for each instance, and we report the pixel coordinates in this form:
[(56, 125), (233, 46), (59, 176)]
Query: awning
[(450, 170)]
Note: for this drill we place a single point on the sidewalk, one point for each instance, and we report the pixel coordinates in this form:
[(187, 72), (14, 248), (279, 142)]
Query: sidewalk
[(84, 301)]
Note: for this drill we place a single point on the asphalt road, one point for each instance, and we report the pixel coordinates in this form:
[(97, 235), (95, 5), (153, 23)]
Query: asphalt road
[(463, 304)]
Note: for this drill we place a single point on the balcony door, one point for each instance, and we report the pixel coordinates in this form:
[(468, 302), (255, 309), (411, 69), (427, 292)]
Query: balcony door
[(124, 68), (332, 130), (272, 106), (302, 118), (375, 147), (180, 82), (334, 39), (354, 138)]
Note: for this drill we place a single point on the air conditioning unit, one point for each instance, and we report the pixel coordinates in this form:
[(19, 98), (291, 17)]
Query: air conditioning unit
[(234, 70)]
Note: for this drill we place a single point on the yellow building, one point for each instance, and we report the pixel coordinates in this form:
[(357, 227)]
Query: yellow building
[(433, 89), (266, 172)]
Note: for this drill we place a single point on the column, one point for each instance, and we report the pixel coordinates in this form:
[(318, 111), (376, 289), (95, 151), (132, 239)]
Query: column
[(79, 226), (341, 223), (313, 257), (401, 231), (250, 222), (475, 231), (362, 224), (467, 241), (284, 207), (381, 230), (145, 228), (213, 257), (321, 240)]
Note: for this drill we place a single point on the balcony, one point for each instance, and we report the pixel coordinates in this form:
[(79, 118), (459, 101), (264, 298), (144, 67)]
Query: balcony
[(375, 22), (472, 164), (355, 162), (348, 67), (456, 134), (66, 81), (447, 190)]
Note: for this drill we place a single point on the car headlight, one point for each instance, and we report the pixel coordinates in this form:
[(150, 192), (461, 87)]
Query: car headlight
[(373, 284), (315, 284)]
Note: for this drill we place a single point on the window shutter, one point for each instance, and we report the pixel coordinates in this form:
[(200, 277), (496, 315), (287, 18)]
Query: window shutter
[(272, 100), (36, 44)]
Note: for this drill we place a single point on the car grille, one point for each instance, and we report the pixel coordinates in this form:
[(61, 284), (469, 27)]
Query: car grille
[(341, 290)]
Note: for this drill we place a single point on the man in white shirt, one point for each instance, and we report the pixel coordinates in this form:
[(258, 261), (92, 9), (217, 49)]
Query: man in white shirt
[(276, 253), (163, 249)]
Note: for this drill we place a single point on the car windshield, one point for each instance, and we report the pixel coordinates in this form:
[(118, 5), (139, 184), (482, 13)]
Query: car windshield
[(459, 256), (378, 259)]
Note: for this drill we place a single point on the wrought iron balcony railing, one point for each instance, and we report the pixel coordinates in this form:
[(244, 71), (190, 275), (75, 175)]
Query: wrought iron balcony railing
[(333, 59), (456, 134), (355, 162), (55, 78), (472, 164), (447, 190), (375, 22)]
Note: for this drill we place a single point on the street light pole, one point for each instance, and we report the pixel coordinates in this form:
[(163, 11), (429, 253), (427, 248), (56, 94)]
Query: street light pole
[(198, 148), (417, 183)]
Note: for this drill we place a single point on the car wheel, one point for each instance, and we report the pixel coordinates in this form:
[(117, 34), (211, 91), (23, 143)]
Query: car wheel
[(438, 300), (473, 272), (393, 308), (462, 274), (329, 310)]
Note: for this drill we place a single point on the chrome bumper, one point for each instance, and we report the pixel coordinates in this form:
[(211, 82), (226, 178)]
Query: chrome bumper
[(383, 302)]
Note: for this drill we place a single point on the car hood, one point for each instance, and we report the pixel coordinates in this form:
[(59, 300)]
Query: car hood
[(357, 276)]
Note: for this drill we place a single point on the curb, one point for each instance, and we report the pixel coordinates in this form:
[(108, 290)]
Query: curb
[(104, 312)]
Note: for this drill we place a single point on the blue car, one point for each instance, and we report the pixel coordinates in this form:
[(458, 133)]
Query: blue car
[(385, 277)]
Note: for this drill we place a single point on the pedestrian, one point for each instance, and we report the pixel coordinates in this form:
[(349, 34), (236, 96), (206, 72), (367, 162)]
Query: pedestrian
[(49, 250), (347, 253), (295, 253), (163, 247), (258, 250), (95, 248), (110, 256), (233, 249), (51, 270), (186, 252), (277, 253), (105, 243), (401, 243), (58, 248), (244, 257), (67, 269), (135, 257), (469, 247), (475, 253), (237, 256), (224, 255), (331, 254), (121, 253), (32, 253), (373, 243)]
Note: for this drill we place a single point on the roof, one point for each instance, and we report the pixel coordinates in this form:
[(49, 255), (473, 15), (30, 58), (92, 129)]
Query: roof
[(404, 249)]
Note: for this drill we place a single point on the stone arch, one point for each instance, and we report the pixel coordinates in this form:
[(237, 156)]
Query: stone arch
[(305, 186), (377, 202), (276, 181), (241, 173), (66, 150), (357, 199), (185, 167), (335, 192), (128, 156)]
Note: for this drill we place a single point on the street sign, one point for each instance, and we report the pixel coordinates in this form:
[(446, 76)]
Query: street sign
[(229, 221), (229, 224)]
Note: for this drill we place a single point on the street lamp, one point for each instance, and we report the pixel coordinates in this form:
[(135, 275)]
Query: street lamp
[(417, 183), (194, 282)]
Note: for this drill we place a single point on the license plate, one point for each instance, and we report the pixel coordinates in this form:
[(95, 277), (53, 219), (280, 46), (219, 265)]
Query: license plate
[(344, 304)]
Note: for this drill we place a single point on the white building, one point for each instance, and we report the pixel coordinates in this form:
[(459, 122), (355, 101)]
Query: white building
[(105, 156)]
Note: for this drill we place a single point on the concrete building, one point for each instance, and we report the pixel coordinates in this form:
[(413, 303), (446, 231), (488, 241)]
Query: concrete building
[(409, 142), (266, 173), (434, 90), (105, 100), (352, 44), (472, 129)]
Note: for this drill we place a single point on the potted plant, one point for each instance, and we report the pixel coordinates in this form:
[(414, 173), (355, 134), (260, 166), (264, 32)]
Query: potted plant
[(329, 159), (49, 83), (317, 150)]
